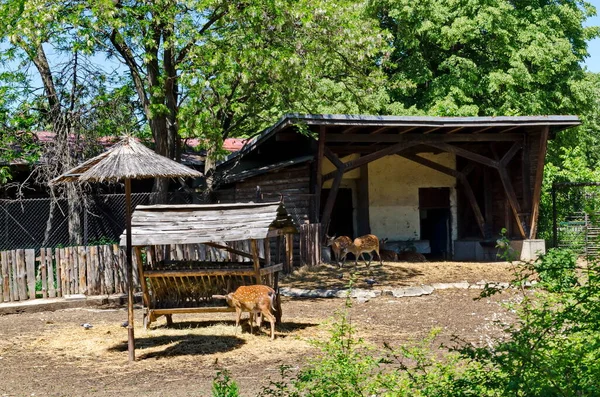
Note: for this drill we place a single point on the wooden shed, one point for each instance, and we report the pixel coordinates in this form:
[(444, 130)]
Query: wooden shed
[(445, 186), (187, 253)]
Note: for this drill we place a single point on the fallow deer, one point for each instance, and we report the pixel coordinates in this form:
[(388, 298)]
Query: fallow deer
[(411, 256), (364, 245), (256, 299), (338, 245), (385, 254)]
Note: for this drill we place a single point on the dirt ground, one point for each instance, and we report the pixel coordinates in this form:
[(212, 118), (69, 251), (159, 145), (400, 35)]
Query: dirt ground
[(50, 354), (397, 274)]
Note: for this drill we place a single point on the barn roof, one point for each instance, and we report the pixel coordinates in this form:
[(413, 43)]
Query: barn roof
[(347, 127), (192, 224)]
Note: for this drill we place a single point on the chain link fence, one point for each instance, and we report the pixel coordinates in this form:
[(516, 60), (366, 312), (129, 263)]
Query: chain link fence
[(23, 222)]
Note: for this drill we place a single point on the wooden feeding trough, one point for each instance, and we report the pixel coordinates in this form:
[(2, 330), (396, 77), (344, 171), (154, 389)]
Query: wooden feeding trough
[(187, 253)]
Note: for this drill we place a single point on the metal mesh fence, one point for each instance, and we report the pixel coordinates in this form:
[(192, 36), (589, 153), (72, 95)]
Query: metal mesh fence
[(23, 222)]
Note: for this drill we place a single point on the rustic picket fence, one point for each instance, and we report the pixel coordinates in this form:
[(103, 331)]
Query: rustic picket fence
[(56, 272), (93, 270)]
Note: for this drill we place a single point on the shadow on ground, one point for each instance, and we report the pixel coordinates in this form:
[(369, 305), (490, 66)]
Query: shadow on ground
[(182, 345)]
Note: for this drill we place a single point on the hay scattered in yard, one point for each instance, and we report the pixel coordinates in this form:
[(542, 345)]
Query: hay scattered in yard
[(396, 274)]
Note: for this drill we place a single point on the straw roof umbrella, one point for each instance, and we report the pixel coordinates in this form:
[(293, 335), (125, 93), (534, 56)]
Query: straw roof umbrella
[(126, 160)]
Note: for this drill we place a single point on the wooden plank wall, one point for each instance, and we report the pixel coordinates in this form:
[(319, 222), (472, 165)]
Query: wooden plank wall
[(57, 272), (293, 184), (94, 270)]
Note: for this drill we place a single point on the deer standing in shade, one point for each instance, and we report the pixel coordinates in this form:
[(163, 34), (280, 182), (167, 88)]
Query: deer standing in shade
[(256, 299), (364, 244), (338, 245)]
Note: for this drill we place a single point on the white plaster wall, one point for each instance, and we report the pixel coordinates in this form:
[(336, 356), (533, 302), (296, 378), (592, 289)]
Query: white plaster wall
[(394, 184)]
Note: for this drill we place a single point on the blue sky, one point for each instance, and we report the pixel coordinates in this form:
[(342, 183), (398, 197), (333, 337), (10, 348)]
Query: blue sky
[(593, 62)]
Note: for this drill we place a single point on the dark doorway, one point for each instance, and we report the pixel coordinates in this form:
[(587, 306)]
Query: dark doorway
[(434, 206), (341, 223)]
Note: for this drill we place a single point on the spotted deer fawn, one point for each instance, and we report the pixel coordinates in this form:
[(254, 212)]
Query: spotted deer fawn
[(256, 299), (364, 245), (338, 245)]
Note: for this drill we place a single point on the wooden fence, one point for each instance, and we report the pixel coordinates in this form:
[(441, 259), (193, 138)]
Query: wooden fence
[(57, 272), (95, 270)]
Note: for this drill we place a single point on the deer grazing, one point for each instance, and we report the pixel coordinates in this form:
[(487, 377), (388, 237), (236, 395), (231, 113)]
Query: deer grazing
[(364, 245), (338, 245), (256, 299)]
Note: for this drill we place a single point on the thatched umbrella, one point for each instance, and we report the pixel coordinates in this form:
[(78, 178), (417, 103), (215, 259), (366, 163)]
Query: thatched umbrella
[(128, 159)]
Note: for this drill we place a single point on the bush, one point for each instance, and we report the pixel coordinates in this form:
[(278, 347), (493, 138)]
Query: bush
[(553, 349)]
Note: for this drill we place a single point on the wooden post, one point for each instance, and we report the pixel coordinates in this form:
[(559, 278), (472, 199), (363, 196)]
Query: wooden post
[(1, 276), (319, 174), (21, 274), (487, 201), (256, 260), (43, 272), (30, 266), (363, 221), (537, 186), (82, 258), (289, 252), (512, 199), (140, 266), (14, 259), (6, 275), (50, 274), (130, 333), (331, 200)]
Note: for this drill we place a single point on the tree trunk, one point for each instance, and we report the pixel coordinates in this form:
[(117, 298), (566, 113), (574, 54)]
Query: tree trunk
[(74, 214)]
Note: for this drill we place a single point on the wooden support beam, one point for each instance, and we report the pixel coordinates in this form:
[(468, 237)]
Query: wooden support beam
[(331, 201), (430, 130), (379, 130), (256, 260), (422, 138), (233, 250), (512, 199), (351, 129), (452, 131), (526, 177), (335, 160), (487, 199), (362, 202), (459, 176), (352, 164), (478, 158), (407, 130), (537, 184), (289, 252), (510, 154), (319, 174)]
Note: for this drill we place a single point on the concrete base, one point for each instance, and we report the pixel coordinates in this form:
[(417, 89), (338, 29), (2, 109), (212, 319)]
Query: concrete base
[(422, 246), (473, 250), (528, 250)]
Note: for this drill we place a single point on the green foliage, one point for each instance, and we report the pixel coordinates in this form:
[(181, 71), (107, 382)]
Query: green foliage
[(556, 270), (475, 57), (224, 386)]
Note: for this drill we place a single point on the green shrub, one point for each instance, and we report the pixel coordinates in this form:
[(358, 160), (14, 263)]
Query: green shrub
[(224, 386)]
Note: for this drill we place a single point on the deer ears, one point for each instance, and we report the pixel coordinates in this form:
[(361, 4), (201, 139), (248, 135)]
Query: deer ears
[(219, 296)]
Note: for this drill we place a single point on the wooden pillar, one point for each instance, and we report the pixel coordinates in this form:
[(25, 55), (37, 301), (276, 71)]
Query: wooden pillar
[(319, 175), (363, 220), (130, 333), (331, 201), (537, 184), (256, 260), (487, 202), (289, 252)]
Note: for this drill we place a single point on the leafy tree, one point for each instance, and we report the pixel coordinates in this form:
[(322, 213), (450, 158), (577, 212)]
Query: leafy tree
[(487, 58), (216, 69)]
